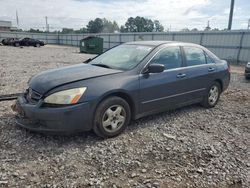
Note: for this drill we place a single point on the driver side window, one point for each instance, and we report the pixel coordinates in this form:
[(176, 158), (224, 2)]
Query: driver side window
[(170, 57)]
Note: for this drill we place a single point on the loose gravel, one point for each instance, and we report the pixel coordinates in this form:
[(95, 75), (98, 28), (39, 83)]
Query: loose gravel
[(187, 147)]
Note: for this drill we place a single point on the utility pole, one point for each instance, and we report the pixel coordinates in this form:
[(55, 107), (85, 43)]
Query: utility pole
[(208, 28), (231, 15), (17, 20), (46, 21), (248, 25)]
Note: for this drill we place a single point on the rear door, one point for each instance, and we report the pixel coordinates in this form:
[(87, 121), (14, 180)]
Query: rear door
[(166, 89), (25, 42), (200, 69)]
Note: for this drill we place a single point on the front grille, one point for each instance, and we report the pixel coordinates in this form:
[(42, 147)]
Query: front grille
[(32, 96)]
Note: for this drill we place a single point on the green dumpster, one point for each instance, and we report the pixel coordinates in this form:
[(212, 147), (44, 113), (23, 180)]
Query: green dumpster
[(91, 45)]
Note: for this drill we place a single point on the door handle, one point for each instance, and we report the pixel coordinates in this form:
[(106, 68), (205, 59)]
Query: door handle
[(181, 75), (211, 69)]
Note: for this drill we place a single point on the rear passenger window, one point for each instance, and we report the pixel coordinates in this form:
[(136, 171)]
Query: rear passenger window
[(194, 56), (170, 57), (209, 59)]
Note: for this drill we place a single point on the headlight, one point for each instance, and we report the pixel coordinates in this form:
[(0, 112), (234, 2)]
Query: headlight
[(70, 96), (248, 65)]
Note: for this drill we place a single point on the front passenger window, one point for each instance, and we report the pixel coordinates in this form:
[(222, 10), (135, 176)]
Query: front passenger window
[(170, 57)]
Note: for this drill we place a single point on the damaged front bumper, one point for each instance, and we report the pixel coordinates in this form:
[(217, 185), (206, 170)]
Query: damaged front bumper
[(35, 117)]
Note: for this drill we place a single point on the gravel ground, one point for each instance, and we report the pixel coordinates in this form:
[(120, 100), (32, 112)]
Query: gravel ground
[(187, 147)]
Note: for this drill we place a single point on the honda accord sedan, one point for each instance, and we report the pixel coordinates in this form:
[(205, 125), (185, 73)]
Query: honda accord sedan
[(127, 82)]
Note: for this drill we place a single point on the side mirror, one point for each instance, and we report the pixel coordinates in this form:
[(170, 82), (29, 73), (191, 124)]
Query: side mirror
[(88, 60), (155, 68)]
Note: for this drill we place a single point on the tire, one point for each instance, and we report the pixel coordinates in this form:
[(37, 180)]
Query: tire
[(3, 42), (213, 95), (112, 116), (37, 45), (16, 44)]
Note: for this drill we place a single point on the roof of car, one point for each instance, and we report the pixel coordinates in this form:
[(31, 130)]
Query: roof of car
[(151, 43), (157, 43)]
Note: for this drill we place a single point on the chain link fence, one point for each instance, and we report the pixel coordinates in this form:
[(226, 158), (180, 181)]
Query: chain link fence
[(231, 45)]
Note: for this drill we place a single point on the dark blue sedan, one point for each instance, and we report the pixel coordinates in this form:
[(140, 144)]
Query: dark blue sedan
[(127, 82)]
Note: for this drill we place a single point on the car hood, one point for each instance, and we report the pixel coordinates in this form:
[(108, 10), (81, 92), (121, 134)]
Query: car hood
[(50, 79)]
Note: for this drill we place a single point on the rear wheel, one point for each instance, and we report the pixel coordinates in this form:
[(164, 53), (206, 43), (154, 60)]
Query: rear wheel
[(213, 95), (16, 44), (112, 117)]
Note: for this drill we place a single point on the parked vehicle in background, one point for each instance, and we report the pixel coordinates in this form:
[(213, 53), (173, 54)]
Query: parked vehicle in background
[(126, 82), (247, 71), (22, 42), (28, 42), (9, 41)]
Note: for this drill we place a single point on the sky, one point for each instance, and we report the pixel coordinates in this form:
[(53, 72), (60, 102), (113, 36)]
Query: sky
[(173, 14)]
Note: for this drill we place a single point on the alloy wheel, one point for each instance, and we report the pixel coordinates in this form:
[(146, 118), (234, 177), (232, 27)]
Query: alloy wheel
[(113, 118), (213, 95)]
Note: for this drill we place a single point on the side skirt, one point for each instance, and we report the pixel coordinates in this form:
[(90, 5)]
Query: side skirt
[(195, 101)]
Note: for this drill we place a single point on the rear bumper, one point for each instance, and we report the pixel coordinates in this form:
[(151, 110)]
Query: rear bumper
[(226, 81), (50, 119)]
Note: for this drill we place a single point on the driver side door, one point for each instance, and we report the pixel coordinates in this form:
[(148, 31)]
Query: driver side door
[(165, 90)]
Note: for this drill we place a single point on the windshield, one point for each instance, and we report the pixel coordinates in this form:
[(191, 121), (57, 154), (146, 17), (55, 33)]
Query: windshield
[(123, 57)]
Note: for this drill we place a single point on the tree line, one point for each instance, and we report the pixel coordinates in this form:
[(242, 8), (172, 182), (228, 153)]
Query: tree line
[(103, 25), (133, 24)]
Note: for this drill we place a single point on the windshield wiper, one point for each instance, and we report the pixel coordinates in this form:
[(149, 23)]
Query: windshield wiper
[(101, 65)]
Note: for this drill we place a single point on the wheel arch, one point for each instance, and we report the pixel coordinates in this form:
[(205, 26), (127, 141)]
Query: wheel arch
[(124, 95), (221, 83)]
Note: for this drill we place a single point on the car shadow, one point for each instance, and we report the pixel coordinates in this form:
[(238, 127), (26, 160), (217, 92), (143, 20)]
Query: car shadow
[(165, 116), (9, 121), (27, 136)]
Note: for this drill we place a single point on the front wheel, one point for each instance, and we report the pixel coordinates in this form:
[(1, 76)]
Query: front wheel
[(3, 42), (112, 117), (213, 95), (37, 45)]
